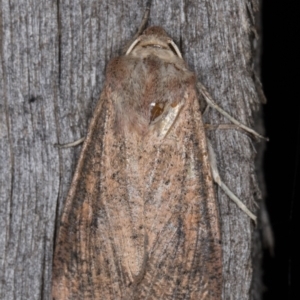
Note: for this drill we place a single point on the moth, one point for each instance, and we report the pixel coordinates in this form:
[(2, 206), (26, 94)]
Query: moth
[(141, 218)]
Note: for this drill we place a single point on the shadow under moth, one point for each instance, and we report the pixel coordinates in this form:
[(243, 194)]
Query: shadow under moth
[(141, 218)]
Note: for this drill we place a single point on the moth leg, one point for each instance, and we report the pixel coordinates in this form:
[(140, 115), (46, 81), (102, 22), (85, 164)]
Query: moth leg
[(223, 186), (214, 105), (72, 144), (221, 126)]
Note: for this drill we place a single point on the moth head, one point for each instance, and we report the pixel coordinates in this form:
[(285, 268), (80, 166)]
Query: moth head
[(156, 41)]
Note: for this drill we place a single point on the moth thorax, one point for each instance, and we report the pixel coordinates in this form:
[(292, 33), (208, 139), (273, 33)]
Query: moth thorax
[(155, 30)]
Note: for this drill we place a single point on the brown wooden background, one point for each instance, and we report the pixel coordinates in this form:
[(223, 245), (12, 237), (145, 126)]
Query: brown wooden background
[(53, 58)]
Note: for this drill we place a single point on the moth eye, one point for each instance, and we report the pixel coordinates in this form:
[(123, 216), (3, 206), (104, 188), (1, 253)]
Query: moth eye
[(156, 110)]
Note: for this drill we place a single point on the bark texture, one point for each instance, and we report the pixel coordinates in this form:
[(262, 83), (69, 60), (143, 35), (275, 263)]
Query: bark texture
[(53, 58)]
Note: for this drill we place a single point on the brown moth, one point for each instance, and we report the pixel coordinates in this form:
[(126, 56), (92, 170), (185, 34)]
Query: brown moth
[(141, 218)]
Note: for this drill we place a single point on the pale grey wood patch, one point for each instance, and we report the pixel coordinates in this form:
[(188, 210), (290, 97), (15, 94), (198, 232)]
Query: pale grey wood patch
[(53, 58)]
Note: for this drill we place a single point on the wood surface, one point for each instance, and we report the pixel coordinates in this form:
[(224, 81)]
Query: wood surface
[(53, 59)]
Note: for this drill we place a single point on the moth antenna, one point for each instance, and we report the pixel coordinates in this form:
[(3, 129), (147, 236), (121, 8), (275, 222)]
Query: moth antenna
[(175, 48), (142, 25), (145, 19), (133, 45)]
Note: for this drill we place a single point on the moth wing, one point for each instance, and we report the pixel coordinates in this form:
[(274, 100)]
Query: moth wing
[(181, 213), (141, 218), (96, 239)]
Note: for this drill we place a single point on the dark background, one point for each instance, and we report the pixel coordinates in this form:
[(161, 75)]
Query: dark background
[(280, 78)]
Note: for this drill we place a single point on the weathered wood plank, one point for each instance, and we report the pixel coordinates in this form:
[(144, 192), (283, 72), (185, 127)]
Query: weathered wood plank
[(53, 58), (29, 163)]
